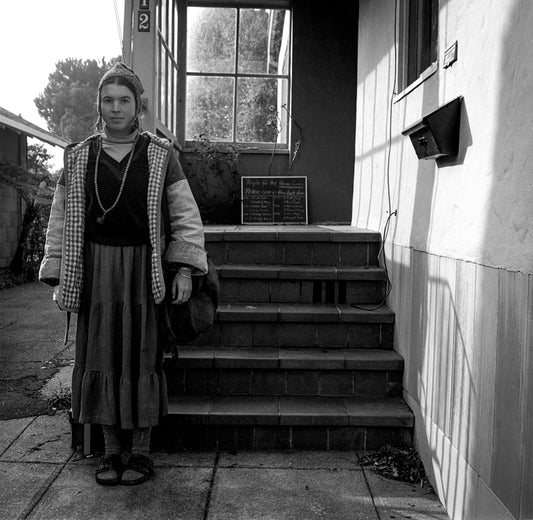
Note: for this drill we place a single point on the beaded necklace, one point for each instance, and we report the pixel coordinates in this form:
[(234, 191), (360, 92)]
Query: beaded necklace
[(101, 219)]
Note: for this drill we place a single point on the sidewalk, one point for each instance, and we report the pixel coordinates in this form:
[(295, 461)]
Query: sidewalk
[(43, 478)]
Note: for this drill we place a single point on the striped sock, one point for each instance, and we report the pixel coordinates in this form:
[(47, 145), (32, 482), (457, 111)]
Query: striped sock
[(140, 444), (112, 440)]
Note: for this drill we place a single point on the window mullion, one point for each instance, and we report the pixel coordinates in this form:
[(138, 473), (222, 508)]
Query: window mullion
[(266, 83), (235, 74), (242, 75)]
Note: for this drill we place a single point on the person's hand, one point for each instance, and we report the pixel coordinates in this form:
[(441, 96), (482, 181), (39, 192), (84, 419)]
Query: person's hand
[(181, 287)]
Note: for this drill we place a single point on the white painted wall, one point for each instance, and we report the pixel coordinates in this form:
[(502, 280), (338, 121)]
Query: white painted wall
[(460, 250), (479, 208)]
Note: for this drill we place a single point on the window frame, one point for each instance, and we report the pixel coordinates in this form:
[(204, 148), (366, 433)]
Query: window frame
[(184, 73), (167, 36), (418, 44)]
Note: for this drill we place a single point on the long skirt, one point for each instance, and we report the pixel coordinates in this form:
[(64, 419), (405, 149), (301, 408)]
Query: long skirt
[(118, 377)]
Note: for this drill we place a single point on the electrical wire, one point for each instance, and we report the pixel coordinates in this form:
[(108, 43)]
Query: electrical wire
[(119, 28), (381, 252)]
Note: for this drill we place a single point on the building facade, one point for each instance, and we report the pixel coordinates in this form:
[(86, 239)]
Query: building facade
[(14, 131), (457, 228), (460, 248)]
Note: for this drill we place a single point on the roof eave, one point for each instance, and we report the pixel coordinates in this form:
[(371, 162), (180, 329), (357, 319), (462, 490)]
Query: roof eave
[(30, 131)]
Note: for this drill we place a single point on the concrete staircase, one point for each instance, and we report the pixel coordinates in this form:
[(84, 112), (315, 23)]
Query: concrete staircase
[(290, 363)]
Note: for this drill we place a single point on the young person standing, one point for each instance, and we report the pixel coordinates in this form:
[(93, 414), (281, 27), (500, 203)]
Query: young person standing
[(104, 254)]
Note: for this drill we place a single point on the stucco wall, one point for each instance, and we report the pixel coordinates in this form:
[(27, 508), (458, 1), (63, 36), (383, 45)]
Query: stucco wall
[(476, 207), (460, 249)]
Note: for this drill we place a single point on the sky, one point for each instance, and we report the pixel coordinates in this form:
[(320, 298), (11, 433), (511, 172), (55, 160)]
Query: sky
[(36, 34)]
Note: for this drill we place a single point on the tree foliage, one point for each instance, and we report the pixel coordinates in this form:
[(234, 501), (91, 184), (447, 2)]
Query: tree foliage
[(38, 159), (36, 187), (34, 184), (211, 49), (68, 102)]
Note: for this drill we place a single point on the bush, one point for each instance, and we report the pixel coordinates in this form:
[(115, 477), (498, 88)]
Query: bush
[(212, 172)]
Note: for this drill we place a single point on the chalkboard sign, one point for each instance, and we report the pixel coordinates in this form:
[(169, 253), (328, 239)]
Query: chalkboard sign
[(274, 200)]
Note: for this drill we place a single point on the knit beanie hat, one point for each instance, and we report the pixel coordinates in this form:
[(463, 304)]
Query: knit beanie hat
[(121, 70)]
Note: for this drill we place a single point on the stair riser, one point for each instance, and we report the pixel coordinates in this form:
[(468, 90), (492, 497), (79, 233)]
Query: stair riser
[(341, 254), (177, 435), (327, 383), (275, 334), (300, 291), (172, 435)]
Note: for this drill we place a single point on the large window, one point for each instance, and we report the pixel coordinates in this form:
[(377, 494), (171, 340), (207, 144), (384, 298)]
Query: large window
[(238, 81), (418, 35), (167, 66)]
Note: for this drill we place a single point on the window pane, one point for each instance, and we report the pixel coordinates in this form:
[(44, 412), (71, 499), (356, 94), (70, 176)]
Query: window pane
[(263, 41), (261, 116), (211, 39), (163, 83), (209, 108)]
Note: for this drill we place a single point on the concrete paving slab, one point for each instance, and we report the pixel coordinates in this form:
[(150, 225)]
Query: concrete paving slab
[(174, 493), (333, 460), (199, 459), (400, 500), (15, 404), (10, 369), (185, 459), (21, 483), (10, 430), (290, 494), (47, 439)]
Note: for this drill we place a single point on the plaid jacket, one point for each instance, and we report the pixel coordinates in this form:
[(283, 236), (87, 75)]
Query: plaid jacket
[(63, 255)]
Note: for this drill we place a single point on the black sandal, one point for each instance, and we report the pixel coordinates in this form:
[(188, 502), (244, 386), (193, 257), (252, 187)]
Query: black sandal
[(109, 471), (141, 465)]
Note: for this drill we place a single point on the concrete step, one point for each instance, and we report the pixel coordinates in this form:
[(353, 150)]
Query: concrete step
[(207, 422), (301, 284), (293, 245), (297, 334), (285, 372), (300, 313), (285, 358), (301, 272), (286, 325)]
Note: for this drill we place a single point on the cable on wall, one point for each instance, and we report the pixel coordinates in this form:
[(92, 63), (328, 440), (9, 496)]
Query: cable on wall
[(381, 252), (119, 29)]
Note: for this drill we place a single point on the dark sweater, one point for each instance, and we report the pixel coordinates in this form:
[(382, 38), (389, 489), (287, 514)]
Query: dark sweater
[(127, 223)]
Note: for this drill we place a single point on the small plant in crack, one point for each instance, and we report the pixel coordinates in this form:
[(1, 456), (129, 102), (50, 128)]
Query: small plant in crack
[(61, 399)]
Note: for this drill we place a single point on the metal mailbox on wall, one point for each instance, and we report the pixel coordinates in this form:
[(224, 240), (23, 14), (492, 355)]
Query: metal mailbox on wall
[(437, 134)]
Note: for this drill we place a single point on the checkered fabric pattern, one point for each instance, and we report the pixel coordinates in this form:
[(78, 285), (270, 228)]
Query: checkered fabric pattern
[(158, 156), (73, 239), (72, 264)]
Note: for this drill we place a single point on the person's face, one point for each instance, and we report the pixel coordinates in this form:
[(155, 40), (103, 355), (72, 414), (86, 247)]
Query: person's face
[(117, 107)]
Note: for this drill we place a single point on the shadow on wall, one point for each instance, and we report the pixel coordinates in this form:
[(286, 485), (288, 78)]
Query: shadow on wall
[(471, 329), (465, 141), (440, 366), (465, 329), (508, 234)]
